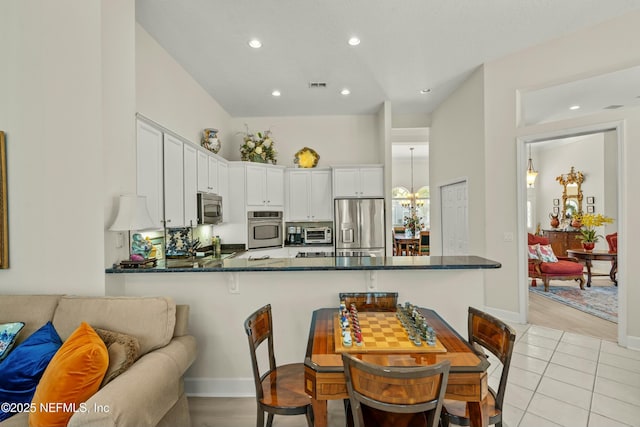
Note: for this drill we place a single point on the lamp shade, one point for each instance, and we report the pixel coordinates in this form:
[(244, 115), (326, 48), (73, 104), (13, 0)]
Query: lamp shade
[(133, 214)]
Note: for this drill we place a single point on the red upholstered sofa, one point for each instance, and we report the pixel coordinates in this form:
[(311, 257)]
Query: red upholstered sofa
[(567, 268)]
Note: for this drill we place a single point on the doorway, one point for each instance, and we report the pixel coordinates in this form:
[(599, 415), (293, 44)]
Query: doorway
[(550, 153)]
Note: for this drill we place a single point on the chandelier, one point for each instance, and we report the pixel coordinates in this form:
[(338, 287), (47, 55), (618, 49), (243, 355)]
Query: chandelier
[(531, 172), (412, 198)]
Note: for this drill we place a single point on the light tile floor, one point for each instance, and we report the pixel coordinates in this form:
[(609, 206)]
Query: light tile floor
[(556, 379)]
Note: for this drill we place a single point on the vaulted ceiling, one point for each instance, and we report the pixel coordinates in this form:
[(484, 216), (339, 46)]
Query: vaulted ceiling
[(406, 46)]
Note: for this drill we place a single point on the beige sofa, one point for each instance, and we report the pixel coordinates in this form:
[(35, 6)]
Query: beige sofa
[(151, 391)]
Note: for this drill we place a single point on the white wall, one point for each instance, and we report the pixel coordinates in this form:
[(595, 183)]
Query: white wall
[(338, 140), (586, 154), (118, 110), (51, 109), (168, 95), (606, 47), (402, 172), (457, 151)]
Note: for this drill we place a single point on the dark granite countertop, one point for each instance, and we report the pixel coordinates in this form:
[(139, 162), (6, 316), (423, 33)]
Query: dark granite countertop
[(324, 264)]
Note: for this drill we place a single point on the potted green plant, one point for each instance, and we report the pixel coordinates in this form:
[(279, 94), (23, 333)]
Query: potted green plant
[(589, 223)]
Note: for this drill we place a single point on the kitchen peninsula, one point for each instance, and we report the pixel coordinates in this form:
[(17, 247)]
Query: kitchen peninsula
[(221, 297)]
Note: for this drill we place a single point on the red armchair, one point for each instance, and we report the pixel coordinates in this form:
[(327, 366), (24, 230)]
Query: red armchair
[(567, 268)]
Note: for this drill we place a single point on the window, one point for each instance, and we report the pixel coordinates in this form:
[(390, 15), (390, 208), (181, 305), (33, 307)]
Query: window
[(401, 205)]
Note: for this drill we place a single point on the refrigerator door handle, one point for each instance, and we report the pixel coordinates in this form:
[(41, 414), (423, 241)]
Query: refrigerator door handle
[(347, 235)]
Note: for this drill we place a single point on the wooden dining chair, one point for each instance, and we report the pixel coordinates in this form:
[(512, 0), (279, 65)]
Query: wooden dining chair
[(395, 396), (423, 244), (279, 390), (492, 334), (371, 301)]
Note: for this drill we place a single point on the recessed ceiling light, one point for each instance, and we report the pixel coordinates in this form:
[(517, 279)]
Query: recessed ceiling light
[(345, 91), (424, 91), (354, 41), (574, 107), (255, 43), (275, 93)]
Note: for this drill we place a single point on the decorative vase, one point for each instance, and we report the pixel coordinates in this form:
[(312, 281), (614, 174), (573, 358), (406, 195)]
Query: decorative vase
[(588, 246), (555, 222), (576, 224)]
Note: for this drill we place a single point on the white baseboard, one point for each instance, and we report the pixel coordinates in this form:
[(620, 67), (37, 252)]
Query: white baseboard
[(633, 343), (507, 316), (219, 387)]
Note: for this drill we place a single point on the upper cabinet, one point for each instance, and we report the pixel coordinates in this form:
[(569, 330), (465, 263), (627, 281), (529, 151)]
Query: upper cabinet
[(309, 195), (358, 181), (190, 185), (150, 170), (207, 173), (173, 182), (264, 186)]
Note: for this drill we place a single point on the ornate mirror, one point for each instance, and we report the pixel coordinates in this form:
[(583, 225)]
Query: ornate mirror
[(571, 193)]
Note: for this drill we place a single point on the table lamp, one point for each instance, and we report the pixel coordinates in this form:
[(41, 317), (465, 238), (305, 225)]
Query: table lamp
[(133, 215)]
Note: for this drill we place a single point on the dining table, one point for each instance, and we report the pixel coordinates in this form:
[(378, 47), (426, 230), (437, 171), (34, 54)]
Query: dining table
[(406, 243), (324, 371)]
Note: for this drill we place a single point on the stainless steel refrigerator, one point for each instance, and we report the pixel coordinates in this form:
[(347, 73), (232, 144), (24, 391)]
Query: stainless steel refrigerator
[(359, 227)]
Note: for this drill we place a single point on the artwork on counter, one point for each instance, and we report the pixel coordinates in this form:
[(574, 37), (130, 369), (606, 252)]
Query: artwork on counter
[(4, 225), (591, 209), (590, 200), (556, 202)]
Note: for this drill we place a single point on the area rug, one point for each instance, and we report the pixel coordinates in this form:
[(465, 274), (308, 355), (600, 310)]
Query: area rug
[(600, 301)]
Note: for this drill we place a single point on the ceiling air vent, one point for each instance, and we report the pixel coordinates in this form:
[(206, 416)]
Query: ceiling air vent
[(319, 85), (613, 107)]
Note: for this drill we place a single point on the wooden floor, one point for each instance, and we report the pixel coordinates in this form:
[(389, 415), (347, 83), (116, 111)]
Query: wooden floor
[(552, 314)]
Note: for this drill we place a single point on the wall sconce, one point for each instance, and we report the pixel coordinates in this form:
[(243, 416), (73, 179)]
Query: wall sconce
[(531, 172)]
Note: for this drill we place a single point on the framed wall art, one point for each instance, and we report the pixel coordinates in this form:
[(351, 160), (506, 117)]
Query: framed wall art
[(556, 202), (4, 224), (590, 200), (591, 209), (556, 210)]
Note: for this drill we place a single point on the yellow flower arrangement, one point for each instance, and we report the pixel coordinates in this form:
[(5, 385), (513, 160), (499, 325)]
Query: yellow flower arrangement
[(590, 222)]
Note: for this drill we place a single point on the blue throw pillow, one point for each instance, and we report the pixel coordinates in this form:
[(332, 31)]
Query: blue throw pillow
[(22, 369), (8, 334)]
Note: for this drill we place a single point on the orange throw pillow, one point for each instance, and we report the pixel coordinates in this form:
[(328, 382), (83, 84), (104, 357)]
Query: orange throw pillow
[(73, 376)]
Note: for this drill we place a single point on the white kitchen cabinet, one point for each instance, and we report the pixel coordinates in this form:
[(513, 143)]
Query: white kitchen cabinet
[(223, 189), (190, 185), (173, 182), (149, 169), (309, 195), (361, 181), (207, 173), (264, 186)]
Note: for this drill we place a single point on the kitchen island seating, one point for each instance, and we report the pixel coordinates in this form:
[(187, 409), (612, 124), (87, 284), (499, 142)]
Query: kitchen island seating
[(563, 268), (395, 396), (371, 301), (492, 334), (280, 389)]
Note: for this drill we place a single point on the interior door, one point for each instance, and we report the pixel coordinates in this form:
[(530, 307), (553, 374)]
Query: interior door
[(455, 224)]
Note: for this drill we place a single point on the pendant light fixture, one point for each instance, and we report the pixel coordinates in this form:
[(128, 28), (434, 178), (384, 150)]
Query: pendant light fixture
[(531, 172), (412, 199)]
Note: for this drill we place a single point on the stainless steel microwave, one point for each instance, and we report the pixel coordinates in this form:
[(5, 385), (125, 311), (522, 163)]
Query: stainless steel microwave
[(209, 208), (265, 229)]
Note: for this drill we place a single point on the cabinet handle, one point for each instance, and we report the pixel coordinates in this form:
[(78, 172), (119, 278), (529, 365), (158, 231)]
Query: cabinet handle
[(168, 220)]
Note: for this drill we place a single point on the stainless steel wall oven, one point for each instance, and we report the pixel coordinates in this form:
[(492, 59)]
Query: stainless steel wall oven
[(265, 229)]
